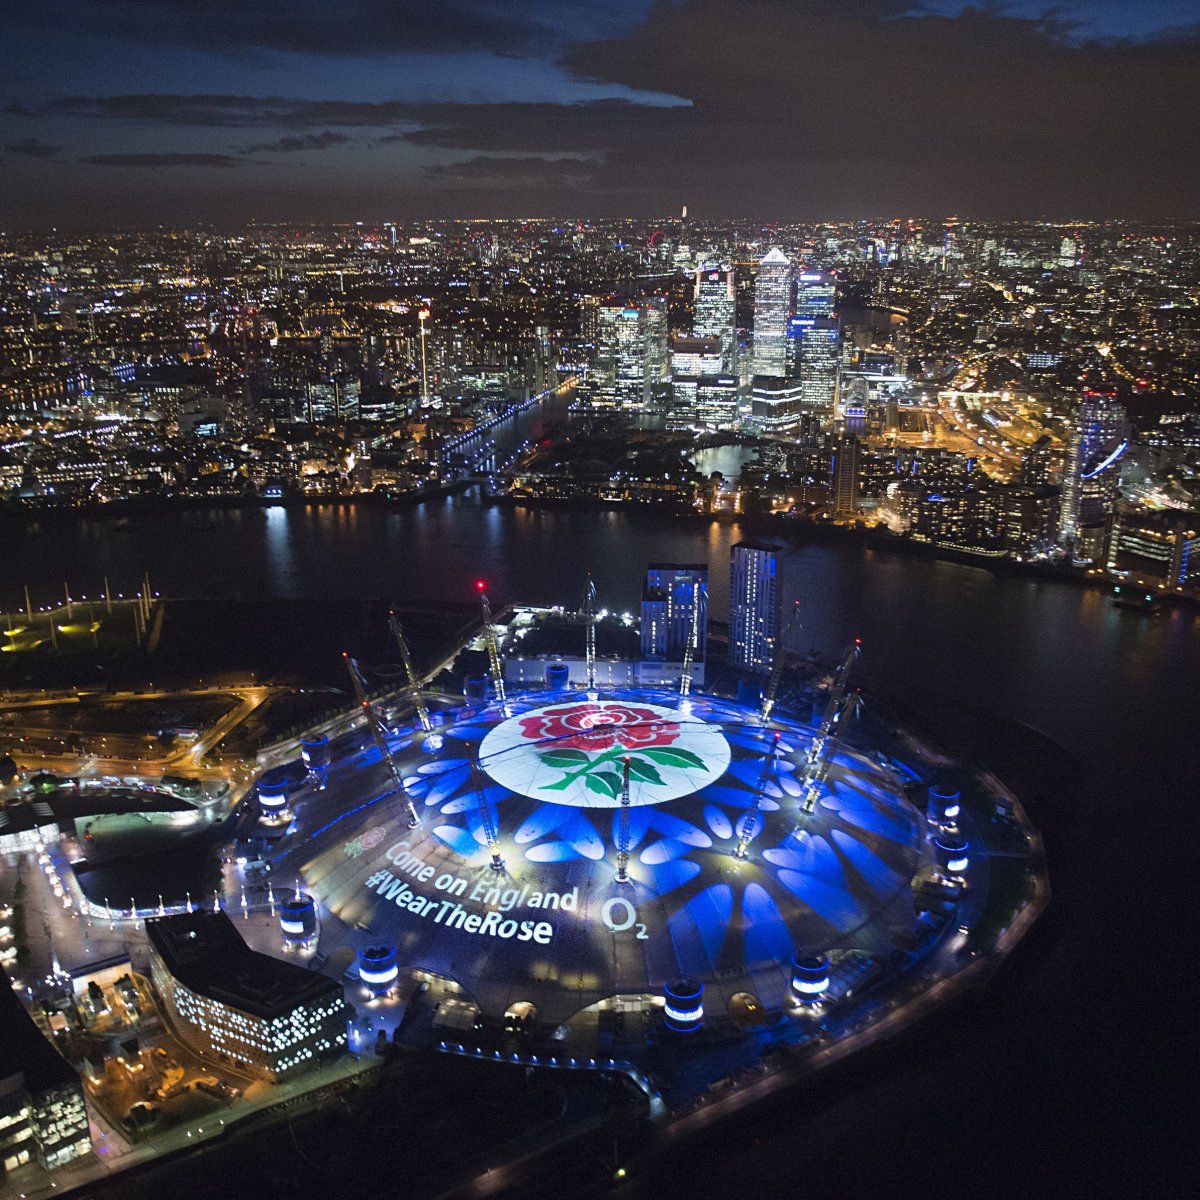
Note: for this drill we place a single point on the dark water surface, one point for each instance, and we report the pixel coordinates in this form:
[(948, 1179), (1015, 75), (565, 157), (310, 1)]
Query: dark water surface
[(1067, 1077)]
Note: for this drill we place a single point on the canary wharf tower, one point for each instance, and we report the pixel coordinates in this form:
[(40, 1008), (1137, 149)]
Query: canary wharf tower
[(772, 308)]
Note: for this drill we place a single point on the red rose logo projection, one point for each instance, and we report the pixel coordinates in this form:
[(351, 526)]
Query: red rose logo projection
[(575, 753)]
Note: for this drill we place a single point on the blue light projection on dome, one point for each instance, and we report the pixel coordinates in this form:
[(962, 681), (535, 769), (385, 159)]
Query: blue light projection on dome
[(557, 928)]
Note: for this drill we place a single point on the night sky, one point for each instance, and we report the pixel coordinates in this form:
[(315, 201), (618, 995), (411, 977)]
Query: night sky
[(119, 112)]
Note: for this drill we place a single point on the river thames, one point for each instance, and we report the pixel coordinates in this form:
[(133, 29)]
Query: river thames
[(1085, 1021)]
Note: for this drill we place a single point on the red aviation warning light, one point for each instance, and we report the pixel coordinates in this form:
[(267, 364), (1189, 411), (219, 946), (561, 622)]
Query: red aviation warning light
[(481, 585)]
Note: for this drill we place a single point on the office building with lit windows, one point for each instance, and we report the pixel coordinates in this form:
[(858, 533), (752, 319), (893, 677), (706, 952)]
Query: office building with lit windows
[(43, 1117), (754, 605), (772, 308), (715, 314), (269, 1018)]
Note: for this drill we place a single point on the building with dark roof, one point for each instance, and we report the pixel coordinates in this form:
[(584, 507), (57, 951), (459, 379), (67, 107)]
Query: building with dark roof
[(268, 1017), (43, 1117)]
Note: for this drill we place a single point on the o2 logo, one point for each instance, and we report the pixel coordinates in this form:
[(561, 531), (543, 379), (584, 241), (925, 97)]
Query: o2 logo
[(620, 916)]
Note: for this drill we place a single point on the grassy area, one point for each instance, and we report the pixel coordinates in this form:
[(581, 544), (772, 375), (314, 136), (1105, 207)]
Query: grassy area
[(1010, 887), (94, 715), (279, 717)]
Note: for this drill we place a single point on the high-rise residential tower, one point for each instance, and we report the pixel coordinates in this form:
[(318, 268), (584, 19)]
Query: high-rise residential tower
[(754, 606), (1099, 439)]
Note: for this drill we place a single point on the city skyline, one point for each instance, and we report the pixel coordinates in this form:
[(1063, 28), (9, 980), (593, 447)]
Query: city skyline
[(355, 112)]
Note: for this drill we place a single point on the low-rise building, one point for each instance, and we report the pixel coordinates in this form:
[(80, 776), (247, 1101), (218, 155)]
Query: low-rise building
[(43, 1117), (265, 1016)]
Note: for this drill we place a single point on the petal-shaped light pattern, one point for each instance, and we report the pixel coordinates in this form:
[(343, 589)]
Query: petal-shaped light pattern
[(698, 929), (664, 851), (718, 822), (832, 904), (810, 854), (446, 785), (676, 827), (790, 785), (440, 765), (840, 875), (639, 824), (458, 839), (468, 732), (878, 876), (545, 819), (552, 852), (668, 876), (886, 825), (767, 937), (736, 797), (749, 772), (581, 833)]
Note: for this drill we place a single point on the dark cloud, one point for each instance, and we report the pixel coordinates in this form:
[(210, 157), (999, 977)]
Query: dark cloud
[(790, 109), (32, 148), (161, 160), (349, 27), (296, 143), (525, 171), (231, 112)]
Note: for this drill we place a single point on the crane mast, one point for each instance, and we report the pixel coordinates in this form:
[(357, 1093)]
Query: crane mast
[(493, 649), (749, 823), (689, 651), (589, 609), (623, 826), (487, 818), (841, 702), (768, 700), (380, 736), (414, 686)]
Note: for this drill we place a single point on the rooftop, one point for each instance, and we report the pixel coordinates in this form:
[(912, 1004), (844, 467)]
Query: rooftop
[(205, 953)]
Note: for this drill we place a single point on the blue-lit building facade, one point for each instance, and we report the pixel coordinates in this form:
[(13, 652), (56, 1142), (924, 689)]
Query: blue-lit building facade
[(675, 614), (1095, 452)]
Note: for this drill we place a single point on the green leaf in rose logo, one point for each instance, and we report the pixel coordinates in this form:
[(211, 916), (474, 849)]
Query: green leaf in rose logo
[(564, 758), (644, 771), (673, 757), (604, 783)]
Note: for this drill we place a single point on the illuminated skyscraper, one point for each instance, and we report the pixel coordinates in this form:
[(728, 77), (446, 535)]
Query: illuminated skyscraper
[(815, 344), (754, 600), (772, 308), (1099, 439), (847, 475), (630, 350), (716, 314)]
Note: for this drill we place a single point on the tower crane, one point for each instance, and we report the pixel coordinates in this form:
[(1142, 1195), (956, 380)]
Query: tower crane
[(842, 701), (493, 648), (748, 826), (380, 735), (768, 700), (589, 609), (414, 686)]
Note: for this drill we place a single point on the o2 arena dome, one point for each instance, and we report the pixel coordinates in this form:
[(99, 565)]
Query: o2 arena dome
[(575, 846)]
